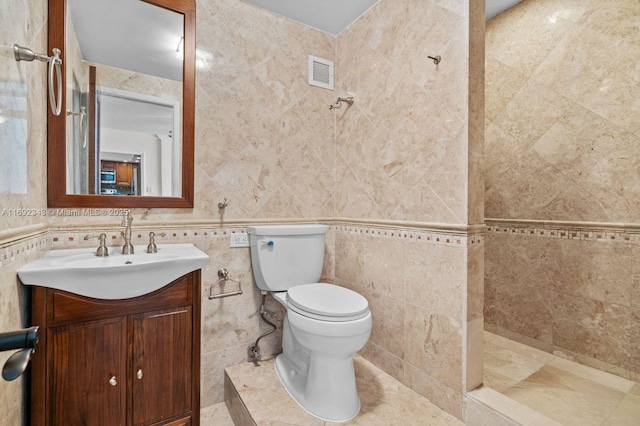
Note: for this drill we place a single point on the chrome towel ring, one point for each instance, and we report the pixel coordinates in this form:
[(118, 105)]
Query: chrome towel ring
[(55, 63)]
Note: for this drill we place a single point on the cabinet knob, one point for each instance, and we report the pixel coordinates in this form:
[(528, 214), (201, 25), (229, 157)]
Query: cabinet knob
[(113, 381), (139, 374)]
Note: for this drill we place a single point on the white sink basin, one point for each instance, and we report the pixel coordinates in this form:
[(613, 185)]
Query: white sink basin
[(116, 276)]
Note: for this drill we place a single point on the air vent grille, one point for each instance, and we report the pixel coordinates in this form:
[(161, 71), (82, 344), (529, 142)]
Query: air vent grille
[(320, 72)]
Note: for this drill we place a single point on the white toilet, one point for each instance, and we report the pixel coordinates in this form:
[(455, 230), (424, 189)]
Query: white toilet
[(325, 324)]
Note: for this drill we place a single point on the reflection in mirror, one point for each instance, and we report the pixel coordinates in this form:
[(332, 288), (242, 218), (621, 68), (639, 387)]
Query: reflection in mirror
[(137, 52), (77, 140), (142, 130)]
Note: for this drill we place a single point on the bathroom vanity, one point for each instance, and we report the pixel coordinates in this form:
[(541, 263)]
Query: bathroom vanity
[(133, 361)]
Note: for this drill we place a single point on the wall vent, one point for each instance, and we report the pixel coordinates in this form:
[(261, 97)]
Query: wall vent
[(320, 72)]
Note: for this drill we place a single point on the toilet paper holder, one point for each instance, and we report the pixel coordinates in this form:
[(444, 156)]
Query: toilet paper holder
[(223, 274)]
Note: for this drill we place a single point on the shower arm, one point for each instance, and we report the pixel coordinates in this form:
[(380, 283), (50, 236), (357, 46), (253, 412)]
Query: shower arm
[(348, 100)]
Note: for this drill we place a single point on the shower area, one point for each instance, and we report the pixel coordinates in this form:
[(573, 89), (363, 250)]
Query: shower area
[(562, 184)]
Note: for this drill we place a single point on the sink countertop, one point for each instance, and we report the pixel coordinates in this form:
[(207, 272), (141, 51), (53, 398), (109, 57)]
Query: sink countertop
[(116, 276)]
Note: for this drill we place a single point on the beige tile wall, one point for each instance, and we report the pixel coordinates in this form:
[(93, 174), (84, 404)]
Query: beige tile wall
[(269, 143), (145, 84), (573, 292), (14, 316), (563, 135), (409, 149), (402, 146), (415, 282), (23, 145), (23, 105), (563, 143)]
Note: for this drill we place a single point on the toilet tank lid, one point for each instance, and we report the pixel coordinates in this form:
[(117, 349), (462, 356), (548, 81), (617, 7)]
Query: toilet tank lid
[(291, 229)]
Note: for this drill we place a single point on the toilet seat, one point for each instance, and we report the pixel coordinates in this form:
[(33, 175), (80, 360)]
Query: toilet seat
[(327, 302)]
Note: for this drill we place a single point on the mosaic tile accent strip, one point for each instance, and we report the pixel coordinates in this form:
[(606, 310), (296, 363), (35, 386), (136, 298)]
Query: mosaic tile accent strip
[(22, 249), (432, 237), (75, 239), (54, 240), (59, 239), (570, 231)]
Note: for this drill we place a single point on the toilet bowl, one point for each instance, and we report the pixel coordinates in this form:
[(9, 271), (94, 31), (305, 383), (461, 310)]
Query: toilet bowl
[(325, 325)]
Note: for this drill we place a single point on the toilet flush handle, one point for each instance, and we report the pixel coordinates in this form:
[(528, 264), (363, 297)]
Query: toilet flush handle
[(267, 243)]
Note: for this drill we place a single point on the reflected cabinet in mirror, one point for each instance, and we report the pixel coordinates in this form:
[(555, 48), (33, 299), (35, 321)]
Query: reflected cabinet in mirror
[(125, 137)]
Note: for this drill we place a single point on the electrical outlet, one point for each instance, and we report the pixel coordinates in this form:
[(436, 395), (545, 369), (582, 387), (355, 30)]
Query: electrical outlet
[(239, 239)]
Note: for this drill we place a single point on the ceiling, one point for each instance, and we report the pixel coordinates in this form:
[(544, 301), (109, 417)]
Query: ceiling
[(331, 16), (132, 115), (497, 6)]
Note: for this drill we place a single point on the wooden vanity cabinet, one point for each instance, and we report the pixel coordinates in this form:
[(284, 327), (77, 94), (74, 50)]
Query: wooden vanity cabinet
[(118, 362)]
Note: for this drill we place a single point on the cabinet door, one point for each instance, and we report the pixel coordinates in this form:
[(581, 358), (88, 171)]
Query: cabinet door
[(162, 357), (89, 373), (124, 174)]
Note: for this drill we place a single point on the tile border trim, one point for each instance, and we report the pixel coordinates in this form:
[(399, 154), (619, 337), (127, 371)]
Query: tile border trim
[(429, 236), (449, 228), (15, 235), (17, 242), (23, 248), (583, 231)]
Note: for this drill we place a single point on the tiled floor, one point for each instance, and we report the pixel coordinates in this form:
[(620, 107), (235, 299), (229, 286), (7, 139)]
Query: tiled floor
[(215, 415), (385, 401), (569, 393)]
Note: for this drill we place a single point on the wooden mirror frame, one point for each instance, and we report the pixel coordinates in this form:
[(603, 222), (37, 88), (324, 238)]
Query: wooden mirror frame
[(56, 125)]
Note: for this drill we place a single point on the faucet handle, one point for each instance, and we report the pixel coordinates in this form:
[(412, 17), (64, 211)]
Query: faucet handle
[(152, 248), (102, 249)]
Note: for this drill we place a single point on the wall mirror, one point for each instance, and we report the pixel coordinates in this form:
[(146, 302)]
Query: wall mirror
[(125, 137)]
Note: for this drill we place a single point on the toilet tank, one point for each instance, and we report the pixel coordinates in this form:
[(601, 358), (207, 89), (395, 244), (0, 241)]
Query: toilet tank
[(283, 256)]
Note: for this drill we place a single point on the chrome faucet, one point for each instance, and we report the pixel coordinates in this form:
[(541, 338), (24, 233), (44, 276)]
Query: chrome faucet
[(126, 234)]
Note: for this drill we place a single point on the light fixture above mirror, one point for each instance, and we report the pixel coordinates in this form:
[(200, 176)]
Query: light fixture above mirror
[(162, 176)]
